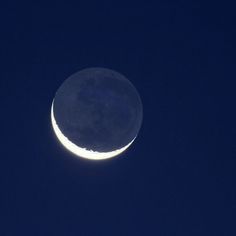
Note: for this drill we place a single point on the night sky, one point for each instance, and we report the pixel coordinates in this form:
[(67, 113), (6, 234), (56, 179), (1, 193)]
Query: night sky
[(178, 177)]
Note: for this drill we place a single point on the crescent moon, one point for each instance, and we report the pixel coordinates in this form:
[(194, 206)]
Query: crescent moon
[(83, 152)]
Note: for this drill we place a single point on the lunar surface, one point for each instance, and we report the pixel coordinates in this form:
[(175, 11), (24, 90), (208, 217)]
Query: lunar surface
[(96, 113)]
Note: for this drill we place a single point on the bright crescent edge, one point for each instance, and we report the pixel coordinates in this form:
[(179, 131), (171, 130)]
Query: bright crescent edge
[(83, 152)]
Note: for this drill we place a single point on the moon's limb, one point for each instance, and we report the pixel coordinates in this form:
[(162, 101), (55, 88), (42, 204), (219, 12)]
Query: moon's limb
[(83, 152)]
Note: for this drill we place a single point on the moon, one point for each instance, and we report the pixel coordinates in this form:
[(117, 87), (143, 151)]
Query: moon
[(96, 113)]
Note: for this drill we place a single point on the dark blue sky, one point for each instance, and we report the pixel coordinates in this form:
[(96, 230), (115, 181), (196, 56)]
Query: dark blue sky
[(179, 177)]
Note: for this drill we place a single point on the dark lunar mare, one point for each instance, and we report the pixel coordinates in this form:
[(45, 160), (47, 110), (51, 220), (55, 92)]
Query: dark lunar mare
[(98, 109)]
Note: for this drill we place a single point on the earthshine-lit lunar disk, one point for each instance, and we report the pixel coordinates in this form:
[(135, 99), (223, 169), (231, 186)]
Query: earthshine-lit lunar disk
[(96, 113)]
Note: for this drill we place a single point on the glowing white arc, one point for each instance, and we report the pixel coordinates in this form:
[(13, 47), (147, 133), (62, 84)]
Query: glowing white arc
[(83, 152)]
